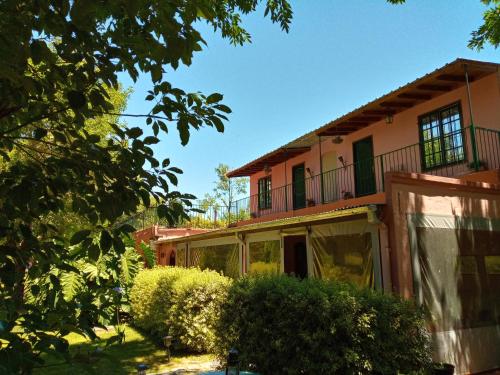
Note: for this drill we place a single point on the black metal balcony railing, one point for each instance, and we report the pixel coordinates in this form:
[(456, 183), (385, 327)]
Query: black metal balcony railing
[(210, 218), (465, 151)]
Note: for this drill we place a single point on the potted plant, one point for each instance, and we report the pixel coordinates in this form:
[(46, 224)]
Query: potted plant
[(442, 368), (480, 165)]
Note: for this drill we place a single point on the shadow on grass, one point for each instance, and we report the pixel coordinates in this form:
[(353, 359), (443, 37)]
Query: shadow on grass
[(96, 358)]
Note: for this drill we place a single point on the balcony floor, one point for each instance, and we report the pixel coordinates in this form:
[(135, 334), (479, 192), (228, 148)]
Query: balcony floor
[(378, 198)]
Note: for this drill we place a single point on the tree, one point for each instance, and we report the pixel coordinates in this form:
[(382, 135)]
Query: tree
[(228, 189), (225, 193), (58, 61), (488, 32)]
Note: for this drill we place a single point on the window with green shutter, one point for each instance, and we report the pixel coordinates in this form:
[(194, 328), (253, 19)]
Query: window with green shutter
[(264, 193), (441, 137)]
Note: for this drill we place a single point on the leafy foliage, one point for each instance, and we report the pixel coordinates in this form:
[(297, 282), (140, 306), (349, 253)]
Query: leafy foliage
[(488, 32), (225, 193), (179, 302), (148, 254), (281, 324), (59, 62)]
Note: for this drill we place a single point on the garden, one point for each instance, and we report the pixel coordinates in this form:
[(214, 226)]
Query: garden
[(280, 324)]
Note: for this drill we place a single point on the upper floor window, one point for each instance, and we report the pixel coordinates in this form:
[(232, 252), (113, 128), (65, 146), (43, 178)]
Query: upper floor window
[(441, 137), (264, 193)]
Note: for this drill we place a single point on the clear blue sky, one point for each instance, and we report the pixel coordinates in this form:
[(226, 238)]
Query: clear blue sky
[(338, 55)]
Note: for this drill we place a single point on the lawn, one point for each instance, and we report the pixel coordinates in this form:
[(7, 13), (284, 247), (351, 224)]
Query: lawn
[(117, 358)]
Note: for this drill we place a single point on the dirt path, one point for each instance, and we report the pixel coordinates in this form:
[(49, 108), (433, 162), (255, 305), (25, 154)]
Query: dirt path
[(191, 367)]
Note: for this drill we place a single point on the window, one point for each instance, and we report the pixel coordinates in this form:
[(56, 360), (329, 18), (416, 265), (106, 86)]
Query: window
[(265, 193), (264, 257), (441, 137)]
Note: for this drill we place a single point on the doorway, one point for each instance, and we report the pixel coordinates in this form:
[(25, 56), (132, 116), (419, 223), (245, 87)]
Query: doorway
[(298, 187), (295, 256), (364, 167)]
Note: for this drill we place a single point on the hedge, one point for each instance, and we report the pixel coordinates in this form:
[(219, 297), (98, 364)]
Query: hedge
[(179, 302), (281, 324)]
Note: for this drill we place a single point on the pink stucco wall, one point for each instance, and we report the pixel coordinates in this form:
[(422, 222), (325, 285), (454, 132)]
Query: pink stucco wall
[(485, 94), (471, 350)]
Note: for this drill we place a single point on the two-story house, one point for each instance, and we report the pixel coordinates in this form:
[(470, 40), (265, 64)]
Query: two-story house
[(402, 194)]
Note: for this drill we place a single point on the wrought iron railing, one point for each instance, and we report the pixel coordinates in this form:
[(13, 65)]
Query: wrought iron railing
[(200, 216), (464, 151), (477, 149)]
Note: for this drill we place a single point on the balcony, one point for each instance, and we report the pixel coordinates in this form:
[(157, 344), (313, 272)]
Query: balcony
[(466, 151), (476, 149)]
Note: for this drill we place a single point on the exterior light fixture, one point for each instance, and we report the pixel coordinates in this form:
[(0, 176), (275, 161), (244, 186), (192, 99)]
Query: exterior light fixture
[(267, 168), (141, 369), (233, 363), (341, 159), (389, 118), (337, 140), (167, 342)]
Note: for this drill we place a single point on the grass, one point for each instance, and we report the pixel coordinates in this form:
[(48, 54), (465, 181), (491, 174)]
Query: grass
[(115, 359)]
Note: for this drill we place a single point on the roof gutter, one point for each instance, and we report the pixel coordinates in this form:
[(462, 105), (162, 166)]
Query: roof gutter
[(370, 211)]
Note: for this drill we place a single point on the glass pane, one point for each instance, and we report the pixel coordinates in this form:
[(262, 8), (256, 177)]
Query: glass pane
[(460, 274), (345, 258), (492, 264), (264, 257), (180, 257), (221, 258)]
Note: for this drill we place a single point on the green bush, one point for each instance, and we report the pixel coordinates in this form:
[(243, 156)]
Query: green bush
[(179, 302), (283, 325)]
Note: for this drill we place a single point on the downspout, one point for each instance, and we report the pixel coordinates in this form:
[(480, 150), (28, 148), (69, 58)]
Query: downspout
[(321, 170), (472, 129), (286, 182)]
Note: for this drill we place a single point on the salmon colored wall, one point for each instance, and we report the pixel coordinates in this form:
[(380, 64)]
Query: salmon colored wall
[(416, 193), (485, 94), (490, 177), (471, 350), (163, 252)]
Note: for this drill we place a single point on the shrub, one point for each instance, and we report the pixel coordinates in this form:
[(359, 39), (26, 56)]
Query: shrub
[(179, 302), (280, 324)]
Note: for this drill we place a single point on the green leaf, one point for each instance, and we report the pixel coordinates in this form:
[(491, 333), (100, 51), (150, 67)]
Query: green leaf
[(94, 252), (40, 52), (134, 132), (219, 125), (118, 245), (72, 283), (39, 133), (105, 241), (183, 128), (150, 140), (176, 170), (76, 99), (156, 73), (172, 178), (126, 228), (214, 98), (149, 255), (223, 108), (79, 236)]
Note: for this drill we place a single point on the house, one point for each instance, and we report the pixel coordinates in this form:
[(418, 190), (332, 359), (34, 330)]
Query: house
[(402, 194)]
